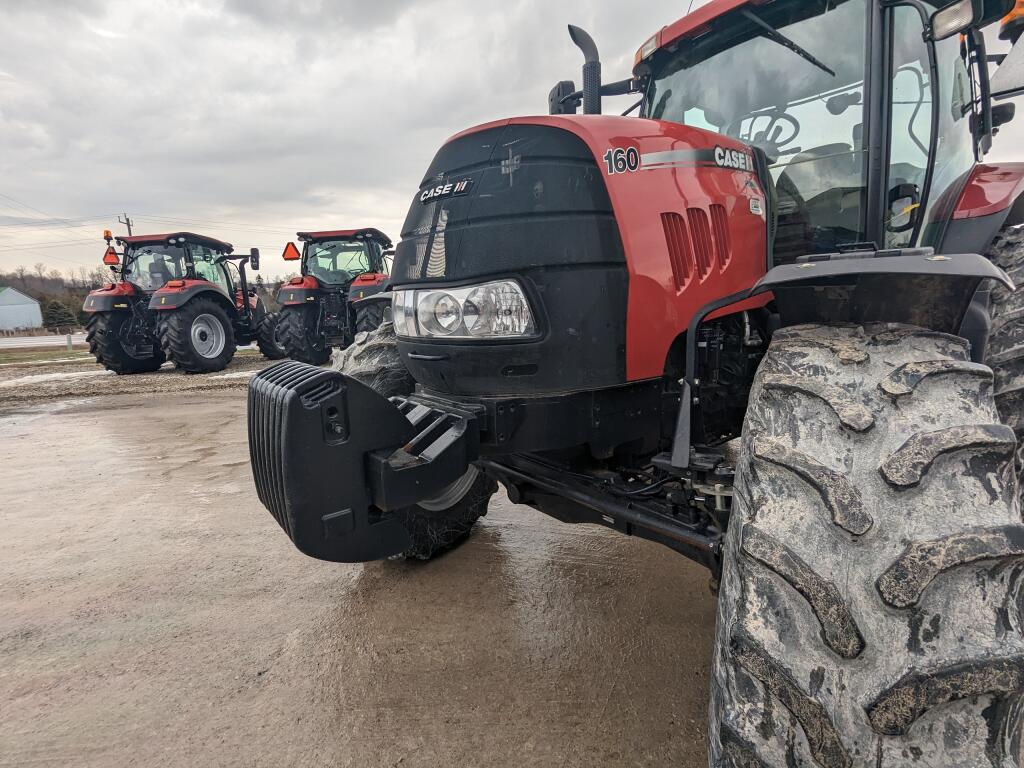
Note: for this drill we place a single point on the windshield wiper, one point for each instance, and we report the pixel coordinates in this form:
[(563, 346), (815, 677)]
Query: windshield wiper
[(773, 34)]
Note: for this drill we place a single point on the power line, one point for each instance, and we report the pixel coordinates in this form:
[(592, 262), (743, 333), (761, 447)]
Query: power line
[(38, 224)]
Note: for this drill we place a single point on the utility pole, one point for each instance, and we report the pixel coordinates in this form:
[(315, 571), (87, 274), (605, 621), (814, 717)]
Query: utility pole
[(127, 222)]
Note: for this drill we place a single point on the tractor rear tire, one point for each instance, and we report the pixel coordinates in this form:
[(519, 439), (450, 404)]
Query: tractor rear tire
[(435, 525), (103, 331), (370, 316), (872, 597), (1006, 343), (298, 333), (268, 337), (198, 337)]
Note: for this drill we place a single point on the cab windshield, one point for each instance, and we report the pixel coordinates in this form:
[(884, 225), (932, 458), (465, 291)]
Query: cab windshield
[(798, 97), (150, 266), (337, 261)]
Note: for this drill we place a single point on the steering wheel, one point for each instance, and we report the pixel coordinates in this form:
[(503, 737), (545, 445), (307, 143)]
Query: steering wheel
[(767, 131)]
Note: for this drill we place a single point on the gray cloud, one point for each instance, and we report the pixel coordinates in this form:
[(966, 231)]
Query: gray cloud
[(280, 114)]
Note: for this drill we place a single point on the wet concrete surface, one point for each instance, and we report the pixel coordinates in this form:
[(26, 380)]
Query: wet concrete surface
[(48, 380), (154, 614)]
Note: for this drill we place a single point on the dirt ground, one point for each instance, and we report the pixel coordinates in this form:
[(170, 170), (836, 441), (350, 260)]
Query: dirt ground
[(152, 613)]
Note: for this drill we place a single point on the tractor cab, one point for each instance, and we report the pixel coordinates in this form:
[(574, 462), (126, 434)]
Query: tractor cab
[(868, 120), (337, 258)]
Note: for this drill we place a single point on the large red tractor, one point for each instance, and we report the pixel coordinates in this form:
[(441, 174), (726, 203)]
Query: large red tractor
[(176, 296), (322, 308), (770, 322)]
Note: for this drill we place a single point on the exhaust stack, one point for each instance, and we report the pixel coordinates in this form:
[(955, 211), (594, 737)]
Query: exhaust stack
[(591, 70)]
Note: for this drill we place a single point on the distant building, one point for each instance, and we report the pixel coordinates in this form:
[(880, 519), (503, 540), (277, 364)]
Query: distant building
[(18, 310)]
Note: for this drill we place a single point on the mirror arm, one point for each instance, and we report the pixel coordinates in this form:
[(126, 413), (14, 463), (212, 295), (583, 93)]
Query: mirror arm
[(976, 42)]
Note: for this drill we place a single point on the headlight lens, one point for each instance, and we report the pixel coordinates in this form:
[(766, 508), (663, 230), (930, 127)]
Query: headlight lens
[(497, 310)]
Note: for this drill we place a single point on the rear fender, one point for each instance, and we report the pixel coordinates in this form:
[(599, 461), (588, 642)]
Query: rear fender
[(299, 291), (115, 297), (174, 297)]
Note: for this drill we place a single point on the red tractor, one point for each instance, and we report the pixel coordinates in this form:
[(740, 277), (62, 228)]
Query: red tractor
[(321, 308), (770, 322), (176, 297)]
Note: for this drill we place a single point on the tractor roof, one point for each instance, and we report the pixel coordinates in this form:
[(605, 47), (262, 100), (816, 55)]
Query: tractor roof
[(691, 23), (191, 237), (366, 233)]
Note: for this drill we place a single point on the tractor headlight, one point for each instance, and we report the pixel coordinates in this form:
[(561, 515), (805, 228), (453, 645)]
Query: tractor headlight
[(497, 310)]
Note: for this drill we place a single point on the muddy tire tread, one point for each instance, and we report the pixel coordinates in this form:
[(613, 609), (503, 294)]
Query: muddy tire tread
[(101, 336), (174, 329), (881, 645), (294, 335), (266, 338)]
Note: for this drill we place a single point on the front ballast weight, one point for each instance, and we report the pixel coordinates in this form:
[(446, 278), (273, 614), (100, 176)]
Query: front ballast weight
[(325, 462)]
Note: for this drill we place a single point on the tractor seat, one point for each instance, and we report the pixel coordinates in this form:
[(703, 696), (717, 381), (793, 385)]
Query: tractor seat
[(159, 273)]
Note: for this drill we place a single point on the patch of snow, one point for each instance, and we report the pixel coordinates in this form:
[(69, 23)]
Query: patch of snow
[(37, 378)]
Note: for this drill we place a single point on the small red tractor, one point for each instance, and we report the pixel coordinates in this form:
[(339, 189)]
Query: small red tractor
[(323, 307), (769, 322), (180, 297)]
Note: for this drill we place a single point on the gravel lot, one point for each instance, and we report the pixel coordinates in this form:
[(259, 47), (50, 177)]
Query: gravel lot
[(155, 615)]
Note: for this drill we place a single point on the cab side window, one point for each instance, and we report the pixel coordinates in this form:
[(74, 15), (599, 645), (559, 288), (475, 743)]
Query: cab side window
[(204, 260)]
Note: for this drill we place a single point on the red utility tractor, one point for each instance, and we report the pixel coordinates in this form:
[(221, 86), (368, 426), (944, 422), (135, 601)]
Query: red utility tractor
[(769, 322), (176, 297), (323, 307)]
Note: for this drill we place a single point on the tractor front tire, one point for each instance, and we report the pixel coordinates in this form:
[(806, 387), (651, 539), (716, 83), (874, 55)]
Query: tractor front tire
[(299, 336), (1006, 343), (103, 334), (198, 337), (872, 596), (437, 524), (268, 337)]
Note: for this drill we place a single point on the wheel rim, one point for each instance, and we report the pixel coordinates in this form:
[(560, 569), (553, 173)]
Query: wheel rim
[(207, 336), (453, 494)]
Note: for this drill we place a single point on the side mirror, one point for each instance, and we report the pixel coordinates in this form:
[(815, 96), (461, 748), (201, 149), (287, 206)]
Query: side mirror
[(291, 253), (561, 100), (904, 202), (110, 257), (254, 258)]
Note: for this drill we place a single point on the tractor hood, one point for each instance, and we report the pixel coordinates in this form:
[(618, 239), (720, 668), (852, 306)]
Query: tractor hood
[(581, 210)]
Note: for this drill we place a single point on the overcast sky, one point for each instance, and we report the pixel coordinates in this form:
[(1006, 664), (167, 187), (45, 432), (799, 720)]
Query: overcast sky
[(251, 119)]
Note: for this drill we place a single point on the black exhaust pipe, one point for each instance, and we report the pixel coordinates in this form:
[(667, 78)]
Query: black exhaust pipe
[(591, 70)]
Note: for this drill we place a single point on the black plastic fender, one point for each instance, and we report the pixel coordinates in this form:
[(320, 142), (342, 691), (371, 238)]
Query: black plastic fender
[(109, 302), (290, 297), (917, 287)]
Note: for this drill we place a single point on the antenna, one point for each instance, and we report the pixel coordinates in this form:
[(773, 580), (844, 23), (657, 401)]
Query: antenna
[(127, 222)]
